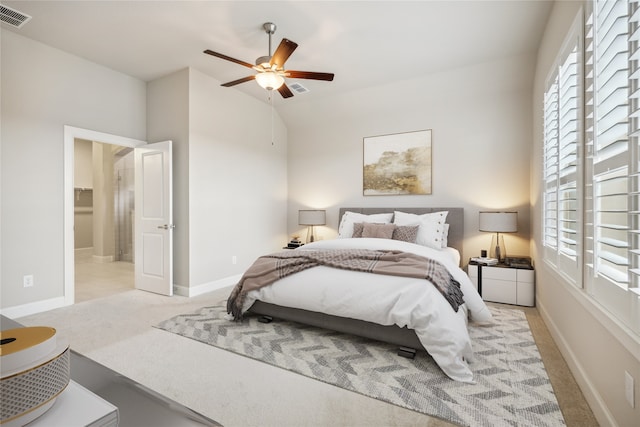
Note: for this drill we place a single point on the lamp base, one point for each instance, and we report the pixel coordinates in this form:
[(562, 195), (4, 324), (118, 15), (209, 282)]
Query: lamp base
[(310, 236), (498, 250)]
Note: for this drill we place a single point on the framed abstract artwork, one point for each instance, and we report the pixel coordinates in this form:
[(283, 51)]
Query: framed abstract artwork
[(397, 164)]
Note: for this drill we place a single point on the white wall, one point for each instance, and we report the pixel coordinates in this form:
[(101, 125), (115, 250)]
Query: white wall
[(82, 164), (238, 180), (230, 181), (83, 195), (103, 203), (481, 122), (44, 89), (597, 348), (168, 119)]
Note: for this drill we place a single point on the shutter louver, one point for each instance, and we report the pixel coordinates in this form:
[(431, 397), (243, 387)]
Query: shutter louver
[(551, 151), (634, 133)]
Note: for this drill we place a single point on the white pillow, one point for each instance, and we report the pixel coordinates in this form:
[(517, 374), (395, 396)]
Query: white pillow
[(431, 226), (345, 230), (445, 236)]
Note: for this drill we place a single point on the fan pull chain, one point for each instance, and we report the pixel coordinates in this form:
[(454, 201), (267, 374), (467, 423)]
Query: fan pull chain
[(271, 100)]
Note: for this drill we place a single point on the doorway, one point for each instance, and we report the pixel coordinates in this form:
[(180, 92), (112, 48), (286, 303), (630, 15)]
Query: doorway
[(82, 191), (104, 209), (153, 232)]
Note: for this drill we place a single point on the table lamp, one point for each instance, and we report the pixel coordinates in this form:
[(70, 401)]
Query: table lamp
[(311, 218), (498, 222)]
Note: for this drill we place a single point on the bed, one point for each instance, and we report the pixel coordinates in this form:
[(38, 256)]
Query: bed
[(397, 310)]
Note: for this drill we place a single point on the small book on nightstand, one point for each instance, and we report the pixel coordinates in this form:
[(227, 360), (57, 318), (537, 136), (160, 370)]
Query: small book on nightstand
[(484, 260)]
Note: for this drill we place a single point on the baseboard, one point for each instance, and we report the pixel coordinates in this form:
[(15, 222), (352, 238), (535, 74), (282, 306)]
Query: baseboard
[(194, 291), (83, 251), (597, 404), (102, 259), (33, 308), (53, 303)]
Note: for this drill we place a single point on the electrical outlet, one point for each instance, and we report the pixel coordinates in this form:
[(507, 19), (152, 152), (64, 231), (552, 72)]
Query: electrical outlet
[(27, 281), (234, 260), (628, 389)]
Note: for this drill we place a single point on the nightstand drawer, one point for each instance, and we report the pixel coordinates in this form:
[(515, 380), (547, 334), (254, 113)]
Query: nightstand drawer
[(499, 273), (525, 276), (499, 290)]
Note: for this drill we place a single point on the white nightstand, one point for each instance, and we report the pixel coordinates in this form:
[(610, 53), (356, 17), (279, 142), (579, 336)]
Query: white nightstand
[(501, 283)]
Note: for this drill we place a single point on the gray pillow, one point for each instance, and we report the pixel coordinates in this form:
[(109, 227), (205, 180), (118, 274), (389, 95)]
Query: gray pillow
[(406, 233), (380, 231), (357, 229)]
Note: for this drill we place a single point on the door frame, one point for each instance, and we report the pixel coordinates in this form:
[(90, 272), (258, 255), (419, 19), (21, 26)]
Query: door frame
[(70, 135)]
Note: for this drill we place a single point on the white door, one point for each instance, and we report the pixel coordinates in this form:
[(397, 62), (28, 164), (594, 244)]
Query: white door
[(154, 218)]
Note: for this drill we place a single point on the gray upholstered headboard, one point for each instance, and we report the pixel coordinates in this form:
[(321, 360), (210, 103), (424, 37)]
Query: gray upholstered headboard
[(455, 219)]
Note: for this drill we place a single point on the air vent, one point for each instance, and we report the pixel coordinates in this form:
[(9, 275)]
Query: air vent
[(298, 88), (13, 17)]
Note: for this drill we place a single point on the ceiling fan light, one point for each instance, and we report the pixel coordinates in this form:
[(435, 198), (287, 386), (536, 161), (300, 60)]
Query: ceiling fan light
[(269, 80)]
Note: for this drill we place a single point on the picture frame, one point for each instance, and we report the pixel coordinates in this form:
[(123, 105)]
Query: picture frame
[(397, 164)]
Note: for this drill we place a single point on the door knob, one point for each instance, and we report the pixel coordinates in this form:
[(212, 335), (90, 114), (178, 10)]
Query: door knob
[(167, 226)]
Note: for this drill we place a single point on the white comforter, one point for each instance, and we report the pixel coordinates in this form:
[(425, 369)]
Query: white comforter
[(387, 300)]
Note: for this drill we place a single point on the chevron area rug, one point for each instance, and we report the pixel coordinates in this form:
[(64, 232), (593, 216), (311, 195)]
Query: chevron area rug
[(512, 387)]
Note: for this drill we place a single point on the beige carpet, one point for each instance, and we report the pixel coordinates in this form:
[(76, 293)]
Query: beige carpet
[(118, 332)]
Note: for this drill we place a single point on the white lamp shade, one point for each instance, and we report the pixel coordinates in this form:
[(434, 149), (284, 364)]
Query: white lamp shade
[(499, 222), (269, 80), (312, 217)]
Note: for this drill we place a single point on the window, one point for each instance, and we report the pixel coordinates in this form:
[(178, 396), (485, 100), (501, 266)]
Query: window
[(612, 172), (608, 141), (591, 171), (562, 199)]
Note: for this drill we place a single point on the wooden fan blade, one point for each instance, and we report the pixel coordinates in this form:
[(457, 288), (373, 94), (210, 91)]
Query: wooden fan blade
[(283, 52), (285, 91), (228, 58), (235, 82), (309, 75)]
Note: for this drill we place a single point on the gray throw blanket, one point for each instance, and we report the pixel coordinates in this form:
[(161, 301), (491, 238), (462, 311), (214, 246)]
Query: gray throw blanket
[(269, 268)]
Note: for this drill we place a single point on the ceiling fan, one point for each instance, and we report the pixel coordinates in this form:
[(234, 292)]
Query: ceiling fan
[(271, 72)]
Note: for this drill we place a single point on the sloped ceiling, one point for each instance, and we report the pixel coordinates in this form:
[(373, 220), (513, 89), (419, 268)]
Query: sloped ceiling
[(365, 43)]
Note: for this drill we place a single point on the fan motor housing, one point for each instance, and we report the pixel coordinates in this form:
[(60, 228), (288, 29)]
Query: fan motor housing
[(263, 60)]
